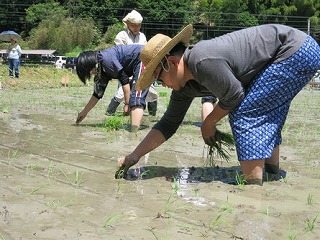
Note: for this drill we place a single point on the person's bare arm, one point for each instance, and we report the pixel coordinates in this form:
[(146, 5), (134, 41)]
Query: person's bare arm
[(126, 93), (208, 128), (153, 140), (92, 102)]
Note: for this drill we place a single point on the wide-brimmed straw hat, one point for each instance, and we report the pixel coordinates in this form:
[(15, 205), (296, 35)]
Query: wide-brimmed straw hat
[(155, 50)]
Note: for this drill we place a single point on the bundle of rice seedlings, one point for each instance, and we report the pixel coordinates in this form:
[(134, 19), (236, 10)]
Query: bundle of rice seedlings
[(120, 173), (217, 145)]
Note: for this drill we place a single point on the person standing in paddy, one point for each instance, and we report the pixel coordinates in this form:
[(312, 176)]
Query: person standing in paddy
[(132, 35), (255, 73)]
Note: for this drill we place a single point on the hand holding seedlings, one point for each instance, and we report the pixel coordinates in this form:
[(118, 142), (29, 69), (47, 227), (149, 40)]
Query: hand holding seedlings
[(120, 173), (216, 146), (124, 166)]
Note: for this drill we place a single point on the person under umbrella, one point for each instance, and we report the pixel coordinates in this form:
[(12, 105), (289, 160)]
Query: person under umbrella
[(13, 56)]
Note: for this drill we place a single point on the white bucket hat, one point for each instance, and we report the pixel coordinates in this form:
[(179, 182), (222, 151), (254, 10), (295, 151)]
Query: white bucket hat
[(155, 50), (133, 17)]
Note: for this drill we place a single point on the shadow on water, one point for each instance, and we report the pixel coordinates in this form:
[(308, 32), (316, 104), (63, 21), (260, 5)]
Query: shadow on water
[(227, 175)]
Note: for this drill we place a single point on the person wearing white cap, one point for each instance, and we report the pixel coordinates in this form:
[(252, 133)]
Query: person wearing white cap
[(132, 35), (254, 72)]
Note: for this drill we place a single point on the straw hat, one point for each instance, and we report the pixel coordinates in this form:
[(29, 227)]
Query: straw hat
[(133, 17), (155, 50)]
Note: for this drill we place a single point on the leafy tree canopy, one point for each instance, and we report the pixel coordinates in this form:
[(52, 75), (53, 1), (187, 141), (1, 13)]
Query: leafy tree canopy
[(65, 25)]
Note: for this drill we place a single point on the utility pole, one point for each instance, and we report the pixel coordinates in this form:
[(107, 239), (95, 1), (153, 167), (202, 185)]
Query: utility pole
[(308, 26)]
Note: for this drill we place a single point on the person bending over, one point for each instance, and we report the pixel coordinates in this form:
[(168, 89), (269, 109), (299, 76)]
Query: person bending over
[(254, 72), (117, 62)]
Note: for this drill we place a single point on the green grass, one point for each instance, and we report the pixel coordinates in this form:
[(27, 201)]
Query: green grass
[(38, 76)]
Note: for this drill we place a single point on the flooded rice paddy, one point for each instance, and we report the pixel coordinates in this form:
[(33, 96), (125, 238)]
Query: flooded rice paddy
[(57, 180)]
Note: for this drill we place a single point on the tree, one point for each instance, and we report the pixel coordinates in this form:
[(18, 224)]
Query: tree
[(56, 33), (39, 12), (12, 15), (166, 16), (42, 19)]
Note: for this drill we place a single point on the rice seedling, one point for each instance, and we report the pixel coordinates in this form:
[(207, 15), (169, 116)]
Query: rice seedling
[(112, 123), (216, 147), (71, 202), (119, 193), (267, 211), (153, 233), (292, 236), (310, 223), (77, 178), (226, 207), (32, 167), (310, 199), (118, 188), (169, 206), (12, 155), (53, 203), (57, 203), (119, 173), (143, 174), (35, 190), (170, 201), (216, 222), (175, 186), (240, 181), (50, 170), (113, 219), (2, 237), (284, 179)]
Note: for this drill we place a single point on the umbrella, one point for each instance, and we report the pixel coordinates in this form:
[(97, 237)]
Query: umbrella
[(6, 36)]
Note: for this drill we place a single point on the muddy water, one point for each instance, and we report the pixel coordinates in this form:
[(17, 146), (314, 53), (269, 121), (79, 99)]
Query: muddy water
[(57, 182)]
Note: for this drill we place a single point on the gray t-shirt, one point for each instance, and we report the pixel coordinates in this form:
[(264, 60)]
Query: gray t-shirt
[(224, 67)]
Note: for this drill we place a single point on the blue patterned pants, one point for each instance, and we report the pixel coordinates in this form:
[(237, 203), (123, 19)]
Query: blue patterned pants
[(257, 122)]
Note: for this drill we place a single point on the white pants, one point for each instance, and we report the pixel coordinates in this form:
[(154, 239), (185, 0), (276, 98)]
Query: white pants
[(151, 97)]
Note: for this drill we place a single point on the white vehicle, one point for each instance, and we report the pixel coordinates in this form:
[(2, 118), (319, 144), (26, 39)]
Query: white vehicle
[(61, 61)]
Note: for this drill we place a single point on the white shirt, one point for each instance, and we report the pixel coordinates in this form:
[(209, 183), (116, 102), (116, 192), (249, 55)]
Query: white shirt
[(14, 51), (126, 37)]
